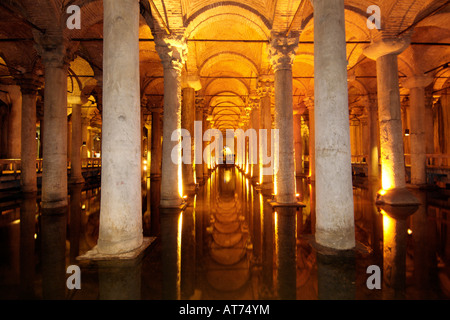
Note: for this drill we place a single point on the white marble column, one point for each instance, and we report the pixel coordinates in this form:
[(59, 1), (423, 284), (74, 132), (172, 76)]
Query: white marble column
[(172, 51), (282, 54), (416, 86), (393, 181), (334, 193), (121, 209)]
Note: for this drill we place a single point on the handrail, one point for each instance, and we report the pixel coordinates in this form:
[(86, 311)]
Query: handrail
[(13, 166)]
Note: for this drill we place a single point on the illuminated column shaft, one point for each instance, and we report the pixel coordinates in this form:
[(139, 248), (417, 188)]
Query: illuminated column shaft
[(312, 172), (155, 169), (29, 85), (54, 175), (298, 142), (187, 122), (282, 53), (416, 86), (75, 167), (14, 123), (255, 116), (389, 116), (172, 51), (121, 209), (373, 164), (334, 193), (265, 88)]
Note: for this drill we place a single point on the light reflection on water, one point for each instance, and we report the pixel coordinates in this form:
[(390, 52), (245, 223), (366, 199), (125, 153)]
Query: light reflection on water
[(228, 244)]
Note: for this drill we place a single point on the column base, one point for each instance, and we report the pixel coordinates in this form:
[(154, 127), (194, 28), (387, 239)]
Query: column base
[(190, 189), (54, 205), (95, 255), (171, 204), (274, 204), (397, 197), (76, 180)]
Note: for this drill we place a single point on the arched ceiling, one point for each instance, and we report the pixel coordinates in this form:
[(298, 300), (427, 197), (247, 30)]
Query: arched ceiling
[(227, 44)]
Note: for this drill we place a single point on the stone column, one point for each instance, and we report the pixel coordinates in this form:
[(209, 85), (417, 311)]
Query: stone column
[(373, 171), (14, 123), (187, 122), (334, 192), (54, 54), (85, 122), (155, 166), (199, 162), (121, 209), (265, 91), (416, 86), (29, 84), (255, 116), (309, 102), (172, 51), (298, 142), (75, 170), (393, 181), (282, 54)]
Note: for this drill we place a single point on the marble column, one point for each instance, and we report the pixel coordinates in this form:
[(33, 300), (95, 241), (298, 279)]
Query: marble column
[(199, 162), (29, 84), (54, 173), (416, 85), (393, 181), (121, 209), (172, 51), (298, 142), (309, 102), (255, 116), (334, 192), (265, 91), (373, 171), (75, 155), (187, 122), (14, 122), (155, 166), (282, 54)]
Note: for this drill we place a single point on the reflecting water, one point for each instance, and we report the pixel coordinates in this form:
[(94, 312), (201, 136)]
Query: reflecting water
[(228, 243)]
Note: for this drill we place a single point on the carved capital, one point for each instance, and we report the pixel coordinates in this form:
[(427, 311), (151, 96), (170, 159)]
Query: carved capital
[(282, 50), (265, 86), (29, 82), (172, 50), (54, 51)]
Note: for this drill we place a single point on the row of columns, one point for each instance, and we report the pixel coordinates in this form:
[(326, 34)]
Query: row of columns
[(121, 216)]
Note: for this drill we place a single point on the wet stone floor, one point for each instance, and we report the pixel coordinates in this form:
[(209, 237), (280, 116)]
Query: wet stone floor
[(228, 244)]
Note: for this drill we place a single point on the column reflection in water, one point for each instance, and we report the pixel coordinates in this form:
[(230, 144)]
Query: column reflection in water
[(75, 221), (425, 247), (120, 279), (395, 227), (188, 252), (336, 276), (53, 249), (285, 242), (171, 228), (267, 248), (27, 246)]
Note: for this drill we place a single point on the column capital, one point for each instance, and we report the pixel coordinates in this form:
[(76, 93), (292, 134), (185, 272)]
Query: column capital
[(309, 102), (29, 82), (384, 47), (265, 85), (417, 81), (54, 51), (172, 49), (282, 50)]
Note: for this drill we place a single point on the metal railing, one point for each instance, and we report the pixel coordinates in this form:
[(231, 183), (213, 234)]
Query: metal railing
[(13, 166)]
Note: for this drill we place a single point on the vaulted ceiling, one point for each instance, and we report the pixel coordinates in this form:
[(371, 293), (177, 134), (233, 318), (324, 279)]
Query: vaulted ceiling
[(227, 45)]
